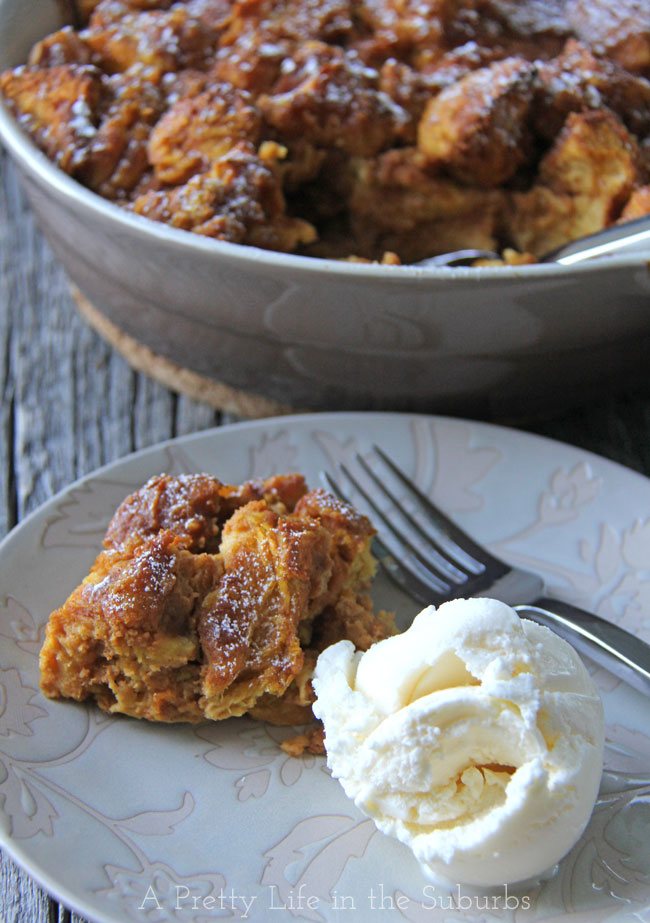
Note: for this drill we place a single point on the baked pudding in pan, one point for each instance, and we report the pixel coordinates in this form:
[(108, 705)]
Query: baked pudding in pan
[(367, 129)]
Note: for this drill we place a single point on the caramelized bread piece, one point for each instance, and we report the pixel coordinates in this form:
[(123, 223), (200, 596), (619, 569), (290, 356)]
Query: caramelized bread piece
[(311, 741), (200, 128), (280, 491), (638, 205), (117, 161), (578, 80), (127, 636), (477, 128), (537, 28), (618, 30), (239, 199), (593, 156), (58, 107), (63, 47), (188, 505), (352, 563), (398, 204), (269, 23), (332, 100), (351, 618), (194, 506), (159, 40), (274, 566), (584, 182)]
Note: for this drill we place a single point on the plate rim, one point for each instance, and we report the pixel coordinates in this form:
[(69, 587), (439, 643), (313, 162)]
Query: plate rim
[(12, 847), (210, 432)]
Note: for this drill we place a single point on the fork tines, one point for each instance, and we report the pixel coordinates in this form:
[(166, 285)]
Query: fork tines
[(425, 553)]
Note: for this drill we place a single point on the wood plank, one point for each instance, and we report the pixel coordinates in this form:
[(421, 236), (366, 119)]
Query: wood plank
[(21, 900), (8, 512), (617, 427)]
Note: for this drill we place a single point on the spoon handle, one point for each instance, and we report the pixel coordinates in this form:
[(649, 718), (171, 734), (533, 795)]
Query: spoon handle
[(630, 235)]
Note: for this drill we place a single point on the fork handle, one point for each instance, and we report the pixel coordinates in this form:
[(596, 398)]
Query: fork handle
[(625, 655)]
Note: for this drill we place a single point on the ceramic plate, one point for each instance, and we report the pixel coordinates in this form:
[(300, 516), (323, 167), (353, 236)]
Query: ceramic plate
[(128, 821)]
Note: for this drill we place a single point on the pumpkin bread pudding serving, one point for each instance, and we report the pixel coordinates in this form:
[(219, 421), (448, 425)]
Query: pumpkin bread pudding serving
[(211, 600)]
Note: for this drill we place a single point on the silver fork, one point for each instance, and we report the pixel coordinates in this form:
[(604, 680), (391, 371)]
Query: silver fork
[(432, 560)]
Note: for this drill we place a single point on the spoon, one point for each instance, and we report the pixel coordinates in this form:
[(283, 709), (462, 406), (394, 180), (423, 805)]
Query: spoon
[(614, 239)]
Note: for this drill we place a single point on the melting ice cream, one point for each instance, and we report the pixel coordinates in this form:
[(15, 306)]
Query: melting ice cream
[(475, 737)]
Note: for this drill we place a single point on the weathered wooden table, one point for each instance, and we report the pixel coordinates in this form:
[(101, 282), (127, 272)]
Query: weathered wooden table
[(70, 403)]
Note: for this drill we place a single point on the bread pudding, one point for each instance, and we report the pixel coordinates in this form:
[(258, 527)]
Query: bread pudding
[(367, 129), (212, 600)]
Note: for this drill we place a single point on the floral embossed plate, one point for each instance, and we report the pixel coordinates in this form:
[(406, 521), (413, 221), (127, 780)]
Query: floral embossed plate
[(124, 820)]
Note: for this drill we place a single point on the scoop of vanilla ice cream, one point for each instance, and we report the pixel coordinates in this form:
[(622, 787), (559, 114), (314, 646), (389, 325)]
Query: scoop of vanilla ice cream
[(475, 737)]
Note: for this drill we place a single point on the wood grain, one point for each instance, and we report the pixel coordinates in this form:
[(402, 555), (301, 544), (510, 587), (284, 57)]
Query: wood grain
[(71, 403)]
